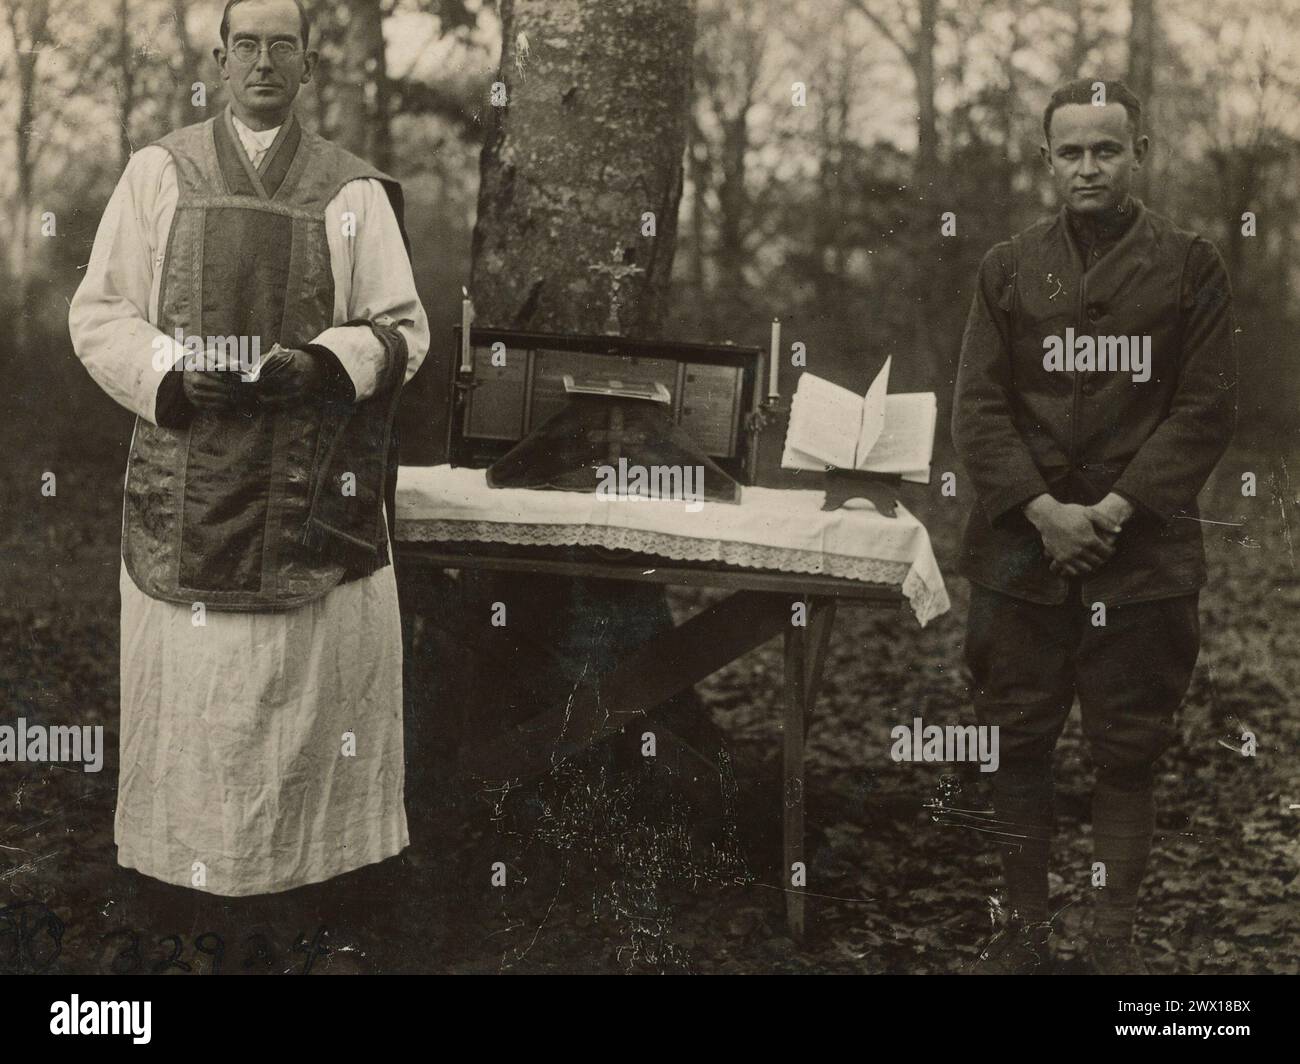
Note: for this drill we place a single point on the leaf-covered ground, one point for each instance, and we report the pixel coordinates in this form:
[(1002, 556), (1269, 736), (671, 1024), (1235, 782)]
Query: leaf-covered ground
[(618, 864)]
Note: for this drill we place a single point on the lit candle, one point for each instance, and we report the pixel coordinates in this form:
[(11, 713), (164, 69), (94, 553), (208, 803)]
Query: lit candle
[(773, 355), (466, 312)]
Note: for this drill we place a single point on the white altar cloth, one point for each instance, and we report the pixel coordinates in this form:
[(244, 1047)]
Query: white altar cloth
[(769, 529)]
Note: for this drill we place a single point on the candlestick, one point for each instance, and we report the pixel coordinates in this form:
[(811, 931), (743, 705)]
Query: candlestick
[(466, 313), (772, 357)]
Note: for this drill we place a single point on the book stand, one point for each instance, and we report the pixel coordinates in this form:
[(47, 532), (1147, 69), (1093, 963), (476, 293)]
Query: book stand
[(877, 488)]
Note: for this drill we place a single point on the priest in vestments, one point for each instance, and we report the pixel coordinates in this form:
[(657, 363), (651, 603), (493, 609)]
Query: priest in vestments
[(261, 682)]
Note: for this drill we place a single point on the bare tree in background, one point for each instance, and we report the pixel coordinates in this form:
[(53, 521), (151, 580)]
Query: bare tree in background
[(29, 24), (1081, 41), (126, 83), (359, 95), (728, 80), (1141, 73), (914, 36), (187, 70), (360, 85)]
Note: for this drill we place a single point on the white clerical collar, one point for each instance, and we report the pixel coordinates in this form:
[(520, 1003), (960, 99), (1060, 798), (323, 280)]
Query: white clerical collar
[(255, 141)]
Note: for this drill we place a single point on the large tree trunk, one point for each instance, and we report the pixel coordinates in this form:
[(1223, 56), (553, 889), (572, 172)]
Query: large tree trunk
[(590, 138)]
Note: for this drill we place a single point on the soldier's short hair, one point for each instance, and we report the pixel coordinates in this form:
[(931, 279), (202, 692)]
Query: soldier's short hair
[(1084, 90)]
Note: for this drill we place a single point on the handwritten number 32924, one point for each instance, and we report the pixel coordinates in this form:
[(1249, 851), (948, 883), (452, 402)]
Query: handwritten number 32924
[(261, 953)]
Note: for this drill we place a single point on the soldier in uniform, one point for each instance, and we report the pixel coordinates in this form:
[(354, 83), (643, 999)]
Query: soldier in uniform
[(1083, 548)]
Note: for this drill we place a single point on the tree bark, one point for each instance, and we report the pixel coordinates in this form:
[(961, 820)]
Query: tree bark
[(590, 138)]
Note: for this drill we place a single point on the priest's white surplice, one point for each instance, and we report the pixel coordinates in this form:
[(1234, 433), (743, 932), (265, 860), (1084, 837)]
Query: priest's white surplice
[(259, 751)]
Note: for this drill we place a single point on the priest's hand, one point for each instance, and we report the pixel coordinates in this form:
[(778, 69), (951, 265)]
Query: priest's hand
[(210, 389), (293, 378)]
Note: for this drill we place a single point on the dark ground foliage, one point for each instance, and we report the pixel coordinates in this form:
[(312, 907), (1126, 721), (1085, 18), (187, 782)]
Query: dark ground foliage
[(616, 864)]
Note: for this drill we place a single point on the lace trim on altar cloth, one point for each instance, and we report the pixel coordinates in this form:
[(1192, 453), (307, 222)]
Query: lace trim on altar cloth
[(926, 602)]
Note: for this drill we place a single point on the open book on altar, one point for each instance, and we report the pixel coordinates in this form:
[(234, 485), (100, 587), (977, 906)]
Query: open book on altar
[(832, 427)]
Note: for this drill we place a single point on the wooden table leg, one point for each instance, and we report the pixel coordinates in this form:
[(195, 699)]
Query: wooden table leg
[(805, 656), (794, 872), (821, 619)]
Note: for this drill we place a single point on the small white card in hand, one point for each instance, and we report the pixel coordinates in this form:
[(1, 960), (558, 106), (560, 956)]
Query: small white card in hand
[(255, 375)]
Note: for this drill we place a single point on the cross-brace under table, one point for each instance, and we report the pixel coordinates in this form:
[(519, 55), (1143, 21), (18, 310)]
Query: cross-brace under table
[(758, 608)]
